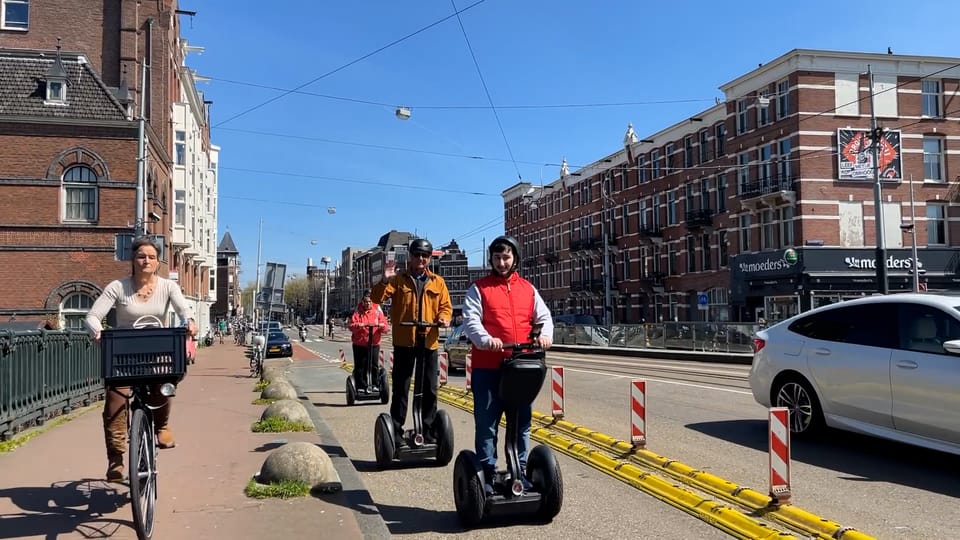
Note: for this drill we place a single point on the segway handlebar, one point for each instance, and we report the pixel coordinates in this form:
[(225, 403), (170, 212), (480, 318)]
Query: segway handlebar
[(420, 324), (532, 344)]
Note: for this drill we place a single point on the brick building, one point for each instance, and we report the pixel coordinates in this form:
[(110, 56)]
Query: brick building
[(761, 205), (69, 141)]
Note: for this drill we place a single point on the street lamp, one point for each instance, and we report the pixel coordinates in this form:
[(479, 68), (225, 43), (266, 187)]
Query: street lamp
[(326, 285), (607, 286)]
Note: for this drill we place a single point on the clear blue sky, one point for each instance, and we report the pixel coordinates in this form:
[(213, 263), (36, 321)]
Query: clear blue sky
[(530, 52)]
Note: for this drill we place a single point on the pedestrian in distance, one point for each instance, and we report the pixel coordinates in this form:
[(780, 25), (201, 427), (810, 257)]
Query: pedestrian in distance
[(499, 308), (417, 295), (366, 352), (143, 293)]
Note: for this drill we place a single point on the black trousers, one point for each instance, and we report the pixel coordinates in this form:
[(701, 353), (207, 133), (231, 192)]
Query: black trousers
[(404, 360), (362, 363)]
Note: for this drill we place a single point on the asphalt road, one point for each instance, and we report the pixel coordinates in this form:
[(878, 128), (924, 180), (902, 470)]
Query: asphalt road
[(698, 413)]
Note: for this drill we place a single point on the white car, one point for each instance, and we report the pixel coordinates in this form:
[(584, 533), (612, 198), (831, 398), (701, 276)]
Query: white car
[(887, 366)]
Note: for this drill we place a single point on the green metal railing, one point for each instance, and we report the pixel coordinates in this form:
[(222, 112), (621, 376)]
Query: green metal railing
[(44, 374)]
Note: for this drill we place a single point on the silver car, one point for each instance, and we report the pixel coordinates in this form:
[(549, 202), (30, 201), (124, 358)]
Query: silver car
[(887, 366)]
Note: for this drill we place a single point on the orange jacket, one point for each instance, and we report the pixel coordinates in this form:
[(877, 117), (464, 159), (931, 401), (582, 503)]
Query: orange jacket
[(434, 304)]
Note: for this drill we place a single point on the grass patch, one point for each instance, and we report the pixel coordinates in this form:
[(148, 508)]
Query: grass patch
[(278, 490), (263, 401), (275, 424), (261, 385)]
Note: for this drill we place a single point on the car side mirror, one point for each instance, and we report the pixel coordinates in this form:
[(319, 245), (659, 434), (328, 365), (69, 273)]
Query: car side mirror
[(952, 346)]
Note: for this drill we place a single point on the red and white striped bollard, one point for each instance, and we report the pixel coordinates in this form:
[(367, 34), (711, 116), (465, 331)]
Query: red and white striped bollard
[(469, 371), (638, 413), (444, 365), (380, 361), (343, 357), (779, 455), (556, 384)]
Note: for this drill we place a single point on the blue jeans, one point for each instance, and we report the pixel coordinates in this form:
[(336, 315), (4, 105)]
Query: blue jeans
[(487, 410)]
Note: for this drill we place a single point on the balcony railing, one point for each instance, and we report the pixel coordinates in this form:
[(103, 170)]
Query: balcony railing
[(699, 218), (765, 186), (652, 232)]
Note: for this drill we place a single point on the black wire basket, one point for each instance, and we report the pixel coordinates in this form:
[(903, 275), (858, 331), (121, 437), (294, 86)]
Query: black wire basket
[(133, 356)]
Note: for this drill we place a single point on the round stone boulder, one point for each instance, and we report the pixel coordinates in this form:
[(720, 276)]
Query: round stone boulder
[(288, 409), (301, 461), (279, 389), (272, 373)]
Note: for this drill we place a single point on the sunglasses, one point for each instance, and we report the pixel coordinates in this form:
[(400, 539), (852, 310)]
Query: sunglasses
[(421, 254)]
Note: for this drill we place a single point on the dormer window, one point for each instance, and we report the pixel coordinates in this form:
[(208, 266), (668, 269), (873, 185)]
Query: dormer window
[(56, 79)]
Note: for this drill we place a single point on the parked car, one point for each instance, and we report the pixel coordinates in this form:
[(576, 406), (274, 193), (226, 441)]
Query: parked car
[(886, 366), (278, 344), (457, 347)]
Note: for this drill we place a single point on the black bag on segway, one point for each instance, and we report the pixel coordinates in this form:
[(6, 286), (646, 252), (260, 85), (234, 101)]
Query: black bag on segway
[(521, 377)]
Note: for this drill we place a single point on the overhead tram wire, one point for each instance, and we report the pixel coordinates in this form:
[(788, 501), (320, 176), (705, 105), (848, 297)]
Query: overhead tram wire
[(486, 90), (352, 62)]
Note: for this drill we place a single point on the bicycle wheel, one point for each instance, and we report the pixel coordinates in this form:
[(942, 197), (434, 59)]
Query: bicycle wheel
[(142, 473)]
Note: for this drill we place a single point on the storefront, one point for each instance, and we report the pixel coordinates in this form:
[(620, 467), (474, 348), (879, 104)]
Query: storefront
[(778, 284)]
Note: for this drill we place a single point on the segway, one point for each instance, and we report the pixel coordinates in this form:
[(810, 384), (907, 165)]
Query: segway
[(412, 444), (521, 377), (374, 389)]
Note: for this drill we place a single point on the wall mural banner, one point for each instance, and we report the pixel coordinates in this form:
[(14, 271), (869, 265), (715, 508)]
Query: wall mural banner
[(855, 155)]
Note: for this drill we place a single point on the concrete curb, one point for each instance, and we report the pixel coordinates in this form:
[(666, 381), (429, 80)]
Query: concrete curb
[(364, 508)]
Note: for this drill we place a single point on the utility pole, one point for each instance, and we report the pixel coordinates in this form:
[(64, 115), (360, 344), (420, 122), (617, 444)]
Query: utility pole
[(876, 135), (913, 242), (607, 301), (256, 287), (326, 282), (140, 225)]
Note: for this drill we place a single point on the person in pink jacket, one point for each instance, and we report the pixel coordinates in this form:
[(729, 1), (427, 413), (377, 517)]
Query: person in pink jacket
[(365, 354)]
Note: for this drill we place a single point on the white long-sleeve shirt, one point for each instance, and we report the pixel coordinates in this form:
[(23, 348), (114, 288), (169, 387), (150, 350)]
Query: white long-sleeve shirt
[(122, 294)]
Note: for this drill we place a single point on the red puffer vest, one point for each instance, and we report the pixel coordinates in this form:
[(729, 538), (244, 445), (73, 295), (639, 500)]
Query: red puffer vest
[(507, 314)]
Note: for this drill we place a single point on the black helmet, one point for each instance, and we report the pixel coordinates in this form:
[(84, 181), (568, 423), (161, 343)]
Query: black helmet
[(420, 245), (497, 246)]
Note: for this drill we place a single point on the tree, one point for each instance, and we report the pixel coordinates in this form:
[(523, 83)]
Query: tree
[(296, 293)]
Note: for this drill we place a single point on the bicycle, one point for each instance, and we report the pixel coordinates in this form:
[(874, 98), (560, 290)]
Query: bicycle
[(256, 356), (146, 359)]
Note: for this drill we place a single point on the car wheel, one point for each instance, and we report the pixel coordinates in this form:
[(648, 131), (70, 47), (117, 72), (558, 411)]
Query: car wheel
[(806, 414)]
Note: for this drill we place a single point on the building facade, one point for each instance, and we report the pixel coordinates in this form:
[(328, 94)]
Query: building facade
[(71, 83), (762, 205), (228, 289)]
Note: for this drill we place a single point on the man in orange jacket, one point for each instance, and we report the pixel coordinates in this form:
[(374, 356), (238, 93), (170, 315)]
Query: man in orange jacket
[(365, 351), (418, 295)]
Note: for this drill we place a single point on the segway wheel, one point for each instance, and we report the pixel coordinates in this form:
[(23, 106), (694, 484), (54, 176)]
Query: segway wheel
[(443, 430), (383, 443), (351, 391), (468, 489), (543, 472), (384, 389)]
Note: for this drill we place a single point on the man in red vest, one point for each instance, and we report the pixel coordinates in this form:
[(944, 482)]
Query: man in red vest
[(499, 308)]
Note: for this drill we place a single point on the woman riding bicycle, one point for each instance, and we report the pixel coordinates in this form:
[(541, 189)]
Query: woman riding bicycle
[(143, 293)]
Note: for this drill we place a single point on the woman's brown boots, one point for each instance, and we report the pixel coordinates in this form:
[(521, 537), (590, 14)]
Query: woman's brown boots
[(115, 433)]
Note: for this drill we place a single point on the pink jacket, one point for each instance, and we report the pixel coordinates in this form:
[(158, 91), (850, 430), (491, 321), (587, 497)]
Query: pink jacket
[(360, 320)]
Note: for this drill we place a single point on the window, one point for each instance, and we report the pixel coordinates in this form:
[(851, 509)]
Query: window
[(688, 152), (846, 94), (784, 166), (626, 265), (786, 226), (721, 193), (763, 108), (668, 159), (691, 254), (783, 99), (705, 194), (743, 172), (180, 207), (671, 259), (931, 97), (644, 219), (705, 254), (768, 228), (213, 280), (936, 223), (704, 154), (656, 212), (744, 233), (722, 248), (644, 166), (180, 148), (73, 310), (688, 199), (933, 158), (672, 207), (720, 140), (80, 194), (741, 116), (15, 14), (925, 328), (764, 169), (655, 163), (56, 92), (871, 325)]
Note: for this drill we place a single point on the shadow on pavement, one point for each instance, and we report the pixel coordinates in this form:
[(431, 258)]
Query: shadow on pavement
[(863, 458), (65, 507), (413, 520)]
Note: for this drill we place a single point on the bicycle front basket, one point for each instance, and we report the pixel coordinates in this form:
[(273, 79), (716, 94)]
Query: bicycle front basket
[(134, 356)]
